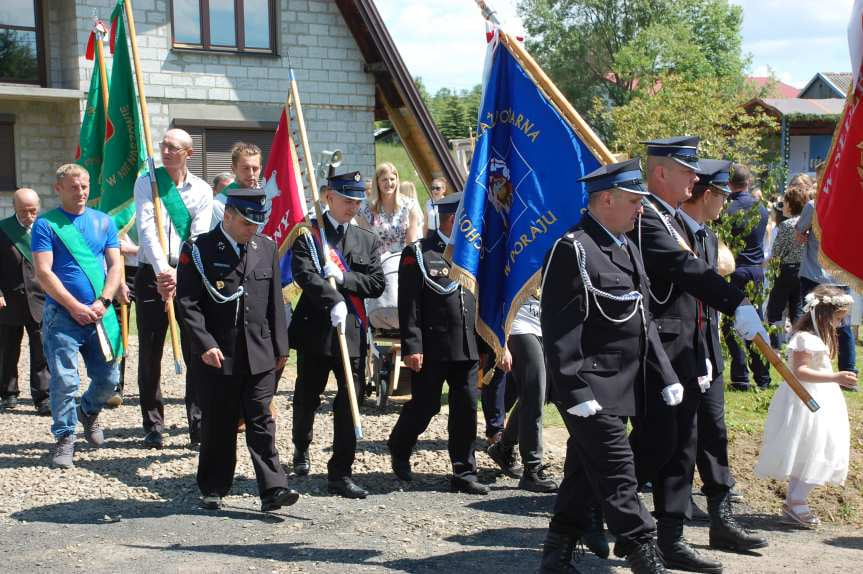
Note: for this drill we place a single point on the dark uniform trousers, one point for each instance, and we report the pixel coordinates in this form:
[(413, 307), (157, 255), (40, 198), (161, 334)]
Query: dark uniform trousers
[(10, 351), (712, 457), (152, 321), (224, 399), (668, 463), (313, 370), (599, 460), (426, 390)]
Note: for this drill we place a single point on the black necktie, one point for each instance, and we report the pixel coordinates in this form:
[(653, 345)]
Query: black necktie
[(241, 249), (340, 232), (702, 241)]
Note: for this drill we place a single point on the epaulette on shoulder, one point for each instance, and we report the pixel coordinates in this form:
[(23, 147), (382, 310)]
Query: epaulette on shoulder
[(264, 237), (364, 230)]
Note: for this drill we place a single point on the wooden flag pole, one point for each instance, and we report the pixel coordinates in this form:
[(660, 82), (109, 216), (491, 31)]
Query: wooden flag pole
[(103, 80), (792, 381), (157, 202), (313, 184)]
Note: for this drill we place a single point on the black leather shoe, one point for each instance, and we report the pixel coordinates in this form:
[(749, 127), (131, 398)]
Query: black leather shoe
[(504, 457), (535, 479), (557, 552), (43, 409), (594, 537), (154, 440), (725, 532), (211, 502), (401, 467), (467, 486), (10, 402), (302, 463), (644, 558), (676, 552), (698, 515), (346, 488), (275, 498)]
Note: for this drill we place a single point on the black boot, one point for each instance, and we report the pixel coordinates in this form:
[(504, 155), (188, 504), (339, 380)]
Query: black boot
[(302, 462), (676, 551), (725, 533), (594, 537), (645, 559), (698, 515), (557, 554)]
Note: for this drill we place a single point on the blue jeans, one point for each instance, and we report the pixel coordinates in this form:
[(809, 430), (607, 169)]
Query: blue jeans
[(847, 350), (62, 339)]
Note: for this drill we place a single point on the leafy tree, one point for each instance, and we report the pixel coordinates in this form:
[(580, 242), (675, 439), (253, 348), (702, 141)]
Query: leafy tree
[(699, 107), (616, 50)]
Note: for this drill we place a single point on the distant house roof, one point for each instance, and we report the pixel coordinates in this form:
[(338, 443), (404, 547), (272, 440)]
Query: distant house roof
[(799, 106), (396, 95), (779, 89), (839, 82)]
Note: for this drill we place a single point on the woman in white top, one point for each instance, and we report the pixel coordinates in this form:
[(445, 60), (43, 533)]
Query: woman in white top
[(394, 218)]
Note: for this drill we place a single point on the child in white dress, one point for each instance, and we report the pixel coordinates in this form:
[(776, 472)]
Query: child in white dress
[(810, 449)]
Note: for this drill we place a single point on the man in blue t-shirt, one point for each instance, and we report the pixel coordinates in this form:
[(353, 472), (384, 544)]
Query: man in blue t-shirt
[(72, 319)]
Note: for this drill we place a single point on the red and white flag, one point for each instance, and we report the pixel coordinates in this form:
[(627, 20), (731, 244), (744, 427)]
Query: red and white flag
[(839, 203), (283, 171)]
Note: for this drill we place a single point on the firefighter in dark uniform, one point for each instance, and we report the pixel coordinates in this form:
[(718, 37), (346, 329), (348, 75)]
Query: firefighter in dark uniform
[(682, 286), (320, 311), (600, 345), (708, 199), (439, 343), (230, 296)]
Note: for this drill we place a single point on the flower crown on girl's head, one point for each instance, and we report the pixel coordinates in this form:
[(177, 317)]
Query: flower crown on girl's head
[(812, 300)]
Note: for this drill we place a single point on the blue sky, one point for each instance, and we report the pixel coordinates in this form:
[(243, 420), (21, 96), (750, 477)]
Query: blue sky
[(443, 41)]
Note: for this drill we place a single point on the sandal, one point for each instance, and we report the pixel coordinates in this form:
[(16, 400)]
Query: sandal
[(799, 515)]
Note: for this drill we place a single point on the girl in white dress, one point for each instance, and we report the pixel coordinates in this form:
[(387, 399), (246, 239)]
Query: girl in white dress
[(809, 449)]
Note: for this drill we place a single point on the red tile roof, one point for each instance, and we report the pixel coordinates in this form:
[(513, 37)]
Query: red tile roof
[(780, 89)]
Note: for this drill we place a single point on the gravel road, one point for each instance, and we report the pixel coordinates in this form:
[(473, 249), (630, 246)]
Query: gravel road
[(127, 509)]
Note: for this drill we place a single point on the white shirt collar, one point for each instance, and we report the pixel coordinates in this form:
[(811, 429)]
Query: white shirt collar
[(443, 237), (693, 225), (672, 210), (230, 239), (333, 221)]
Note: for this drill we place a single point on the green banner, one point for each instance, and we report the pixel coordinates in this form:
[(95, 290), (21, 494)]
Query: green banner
[(19, 236), (91, 140), (124, 153), (93, 268), (177, 210)]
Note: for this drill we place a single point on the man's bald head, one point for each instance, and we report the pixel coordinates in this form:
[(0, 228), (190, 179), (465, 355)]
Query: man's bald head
[(25, 201), (176, 148), (181, 136)]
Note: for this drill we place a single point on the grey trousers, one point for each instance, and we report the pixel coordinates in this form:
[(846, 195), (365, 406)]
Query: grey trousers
[(524, 425)]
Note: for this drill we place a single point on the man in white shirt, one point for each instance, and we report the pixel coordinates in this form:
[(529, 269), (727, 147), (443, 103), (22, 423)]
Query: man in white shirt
[(186, 211), (220, 182)]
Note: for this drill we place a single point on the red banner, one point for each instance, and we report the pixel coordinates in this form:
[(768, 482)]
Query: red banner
[(839, 203), (289, 207)]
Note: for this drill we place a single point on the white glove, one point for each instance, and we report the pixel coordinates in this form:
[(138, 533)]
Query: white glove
[(585, 409), (339, 315), (332, 270), (704, 381), (673, 394), (747, 323)]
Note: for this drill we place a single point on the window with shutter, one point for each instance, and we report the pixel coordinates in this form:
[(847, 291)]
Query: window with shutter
[(213, 147), (8, 181)]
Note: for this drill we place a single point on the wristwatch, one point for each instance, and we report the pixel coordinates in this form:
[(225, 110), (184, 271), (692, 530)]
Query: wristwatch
[(105, 302)]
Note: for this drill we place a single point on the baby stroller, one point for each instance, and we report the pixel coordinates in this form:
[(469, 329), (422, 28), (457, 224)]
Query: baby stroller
[(384, 356)]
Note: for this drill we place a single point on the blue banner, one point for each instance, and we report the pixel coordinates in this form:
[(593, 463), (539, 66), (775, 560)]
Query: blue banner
[(521, 194)]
